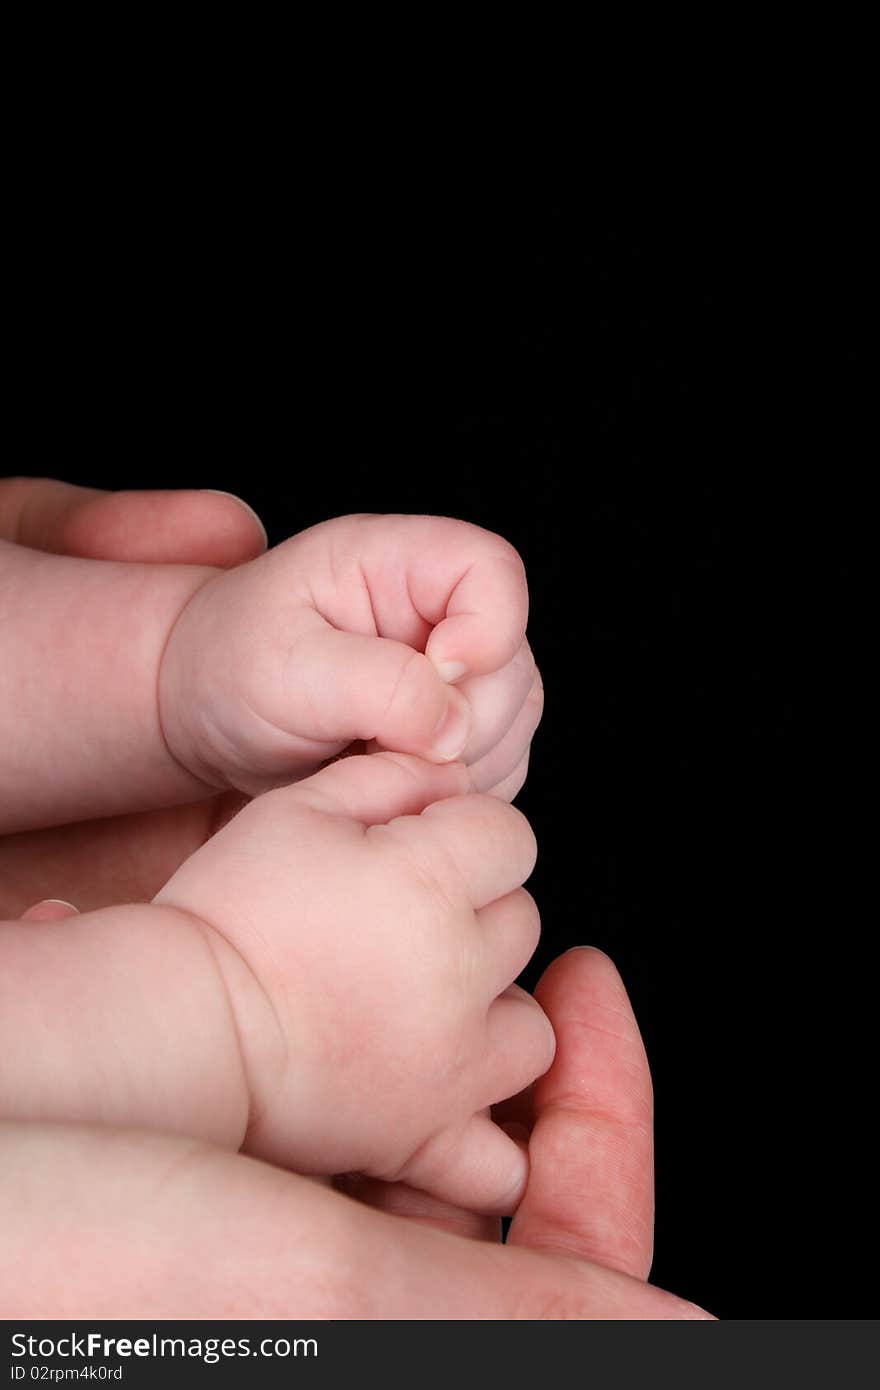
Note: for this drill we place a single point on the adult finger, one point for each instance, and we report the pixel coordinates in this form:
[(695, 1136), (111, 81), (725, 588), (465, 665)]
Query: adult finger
[(167, 527), (146, 1206), (590, 1190)]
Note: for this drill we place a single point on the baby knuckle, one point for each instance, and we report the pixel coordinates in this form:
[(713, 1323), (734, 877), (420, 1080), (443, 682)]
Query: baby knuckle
[(426, 868), (530, 918), (518, 827), (535, 697), (506, 551)]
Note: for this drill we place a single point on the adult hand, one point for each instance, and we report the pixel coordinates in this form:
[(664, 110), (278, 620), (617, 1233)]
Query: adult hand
[(170, 528), (127, 858), (145, 1207)]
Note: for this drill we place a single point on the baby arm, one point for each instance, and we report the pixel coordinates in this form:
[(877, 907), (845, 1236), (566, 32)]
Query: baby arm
[(326, 983), (121, 1017), (81, 643), (127, 687)]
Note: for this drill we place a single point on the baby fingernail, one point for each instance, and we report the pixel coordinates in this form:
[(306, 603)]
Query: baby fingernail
[(450, 671), (451, 734)]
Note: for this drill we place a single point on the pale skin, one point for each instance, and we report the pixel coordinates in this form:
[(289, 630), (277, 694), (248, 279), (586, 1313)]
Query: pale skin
[(356, 933), (119, 858), (127, 858), (136, 686), (595, 1124), (189, 1231)]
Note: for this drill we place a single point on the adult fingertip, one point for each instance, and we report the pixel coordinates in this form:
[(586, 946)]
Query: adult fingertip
[(219, 492), (582, 962)]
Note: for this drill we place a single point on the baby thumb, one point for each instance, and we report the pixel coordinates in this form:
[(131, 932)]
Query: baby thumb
[(375, 688)]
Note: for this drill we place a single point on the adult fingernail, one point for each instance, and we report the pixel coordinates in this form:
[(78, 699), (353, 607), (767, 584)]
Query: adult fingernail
[(450, 671), (50, 910), (451, 734), (218, 492)]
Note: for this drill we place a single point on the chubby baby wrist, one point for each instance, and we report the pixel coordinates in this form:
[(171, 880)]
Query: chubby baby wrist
[(180, 700), (253, 1021)]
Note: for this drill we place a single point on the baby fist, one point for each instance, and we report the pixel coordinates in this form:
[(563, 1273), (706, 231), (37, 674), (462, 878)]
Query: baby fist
[(402, 632)]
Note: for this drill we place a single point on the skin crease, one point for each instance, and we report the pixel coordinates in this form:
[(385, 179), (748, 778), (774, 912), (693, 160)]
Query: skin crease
[(563, 1250)]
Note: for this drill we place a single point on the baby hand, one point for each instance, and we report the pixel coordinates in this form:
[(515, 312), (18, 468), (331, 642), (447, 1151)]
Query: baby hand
[(368, 934), (405, 632)]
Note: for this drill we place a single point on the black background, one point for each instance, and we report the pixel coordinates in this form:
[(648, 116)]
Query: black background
[(626, 399)]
